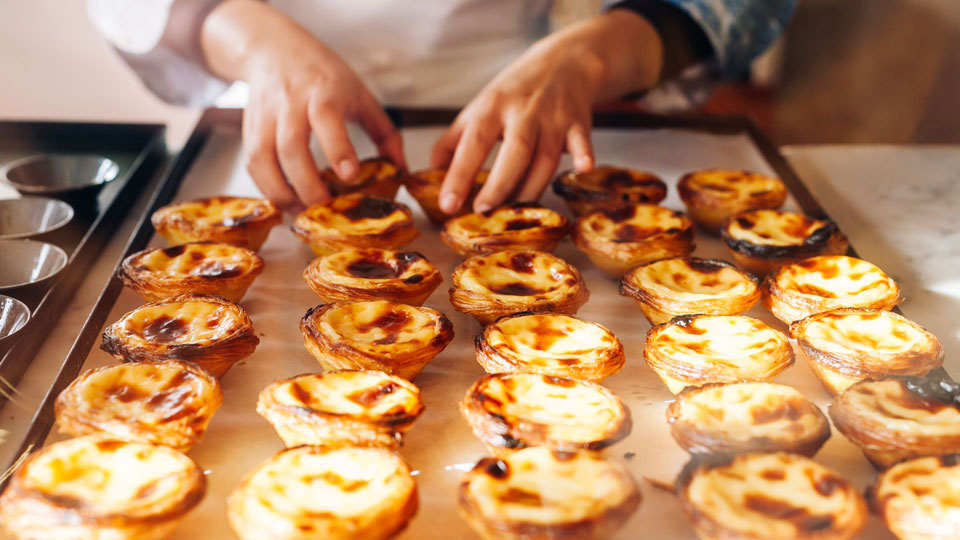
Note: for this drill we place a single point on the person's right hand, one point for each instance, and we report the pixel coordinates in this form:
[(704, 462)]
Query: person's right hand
[(298, 86)]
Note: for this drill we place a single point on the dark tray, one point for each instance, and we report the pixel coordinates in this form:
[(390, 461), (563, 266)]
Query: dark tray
[(139, 150)]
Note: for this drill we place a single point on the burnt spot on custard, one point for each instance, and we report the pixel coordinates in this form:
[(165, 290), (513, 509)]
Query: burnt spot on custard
[(234, 221), (520, 224), (388, 321), (370, 208), (369, 268), (299, 393), (707, 266), (494, 468), (787, 410), (928, 394), (110, 445), (800, 517), (811, 244), (621, 185), (368, 397), (523, 263), (174, 251), (516, 289), (165, 329), (620, 213), (559, 381), (216, 270), (520, 497)]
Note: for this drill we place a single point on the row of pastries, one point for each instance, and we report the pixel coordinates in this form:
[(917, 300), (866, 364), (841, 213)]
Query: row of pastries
[(541, 410)]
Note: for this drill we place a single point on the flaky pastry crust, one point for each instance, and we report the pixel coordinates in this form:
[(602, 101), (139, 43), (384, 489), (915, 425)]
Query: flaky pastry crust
[(847, 345), (798, 290), (355, 220), (518, 226), (539, 494), (399, 339), (373, 274), (309, 492), (630, 235), (685, 286), (746, 417), (425, 185), (899, 418), (343, 408), (502, 283), (206, 330), (759, 496), (692, 350), (508, 411), (711, 196), (166, 402), (197, 267), (606, 187), (918, 499), (549, 344), (239, 221), (376, 177), (761, 240), (95, 487)]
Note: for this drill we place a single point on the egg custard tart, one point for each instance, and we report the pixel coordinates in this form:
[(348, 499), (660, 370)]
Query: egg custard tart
[(685, 286), (425, 186), (746, 417), (711, 196), (606, 188), (508, 411), (209, 331), (239, 221), (164, 402), (768, 496), (196, 267), (95, 487), (620, 239), (358, 408), (900, 417), (502, 283), (919, 499), (539, 494), (846, 345), (818, 284), (761, 240), (692, 350), (355, 220), (373, 274), (399, 339), (376, 177), (549, 344), (308, 492), (516, 226)]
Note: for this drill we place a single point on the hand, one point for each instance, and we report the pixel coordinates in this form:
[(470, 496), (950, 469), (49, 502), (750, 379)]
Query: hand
[(298, 86), (540, 106)]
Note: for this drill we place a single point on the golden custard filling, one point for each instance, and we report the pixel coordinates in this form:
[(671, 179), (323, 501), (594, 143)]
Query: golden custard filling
[(534, 486), (369, 326), (508, 221), (182, 322), (726, 345), (773, 227), (369, 396), (634, 223), (516, 273), (106, 476), (202, 259), (732, 185), (549, 339), (835, 277), (923, 495), (775, 496), (869, 333), (374, 264), (355, 215), (891, 404), (691, 280), (222, 211)]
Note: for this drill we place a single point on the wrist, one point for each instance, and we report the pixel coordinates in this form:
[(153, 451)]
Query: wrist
[(239, 35)]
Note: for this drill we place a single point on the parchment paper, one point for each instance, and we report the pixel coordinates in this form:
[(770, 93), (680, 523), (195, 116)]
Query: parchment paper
[(440, 447)]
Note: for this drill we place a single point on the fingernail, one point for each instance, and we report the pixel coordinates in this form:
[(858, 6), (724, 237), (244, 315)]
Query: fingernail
[(481, 207), (583, 163), (347, 169), (448, 203)]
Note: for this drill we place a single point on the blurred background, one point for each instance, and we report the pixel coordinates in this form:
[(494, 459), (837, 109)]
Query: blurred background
[(847, 71)]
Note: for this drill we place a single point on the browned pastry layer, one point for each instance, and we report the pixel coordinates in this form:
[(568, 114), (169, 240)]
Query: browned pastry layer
[(919, 499), (606, 187), (373, 274), (746, 417), (900, 417), (495, 284), (517, 226), (355, 220), (239, 221), (714, 195), (196, 267), (376, 177), (206, 330), (425, 185), (759, 496)]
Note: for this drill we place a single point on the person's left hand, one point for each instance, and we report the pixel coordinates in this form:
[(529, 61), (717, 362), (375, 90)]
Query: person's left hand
[(540, 106)]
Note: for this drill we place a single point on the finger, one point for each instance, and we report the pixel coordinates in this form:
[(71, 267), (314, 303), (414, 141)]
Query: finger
[(296, 160), (382, 132), (512, 161), (259, 150), (471, 152), (580, 147), (331, 131), (544, 165), (445, 146)]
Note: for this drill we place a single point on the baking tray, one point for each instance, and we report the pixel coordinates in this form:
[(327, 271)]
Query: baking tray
[(440, 447), (138, 149)]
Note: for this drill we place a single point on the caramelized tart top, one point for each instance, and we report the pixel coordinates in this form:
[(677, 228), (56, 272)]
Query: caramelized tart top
[(517, 273), (201, 259), (634, 223), (222, 211)]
